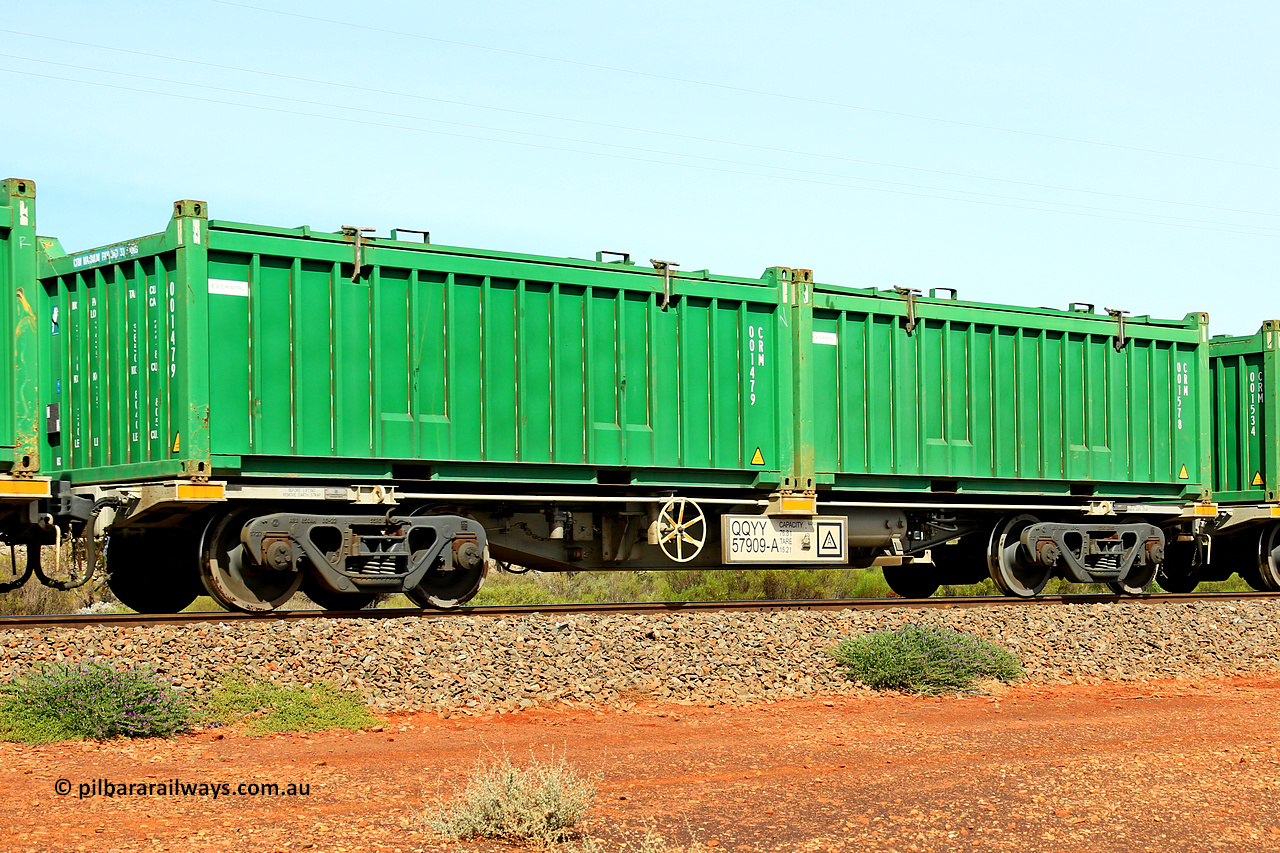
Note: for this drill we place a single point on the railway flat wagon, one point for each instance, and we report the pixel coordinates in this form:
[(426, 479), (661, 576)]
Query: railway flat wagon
[(994, 423), (1246, 469), (263, 408), (250, 411)]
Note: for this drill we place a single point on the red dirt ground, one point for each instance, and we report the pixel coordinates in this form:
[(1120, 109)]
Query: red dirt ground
[(1116, 767)]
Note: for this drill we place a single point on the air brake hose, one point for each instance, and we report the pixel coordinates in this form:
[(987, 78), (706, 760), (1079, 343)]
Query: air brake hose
[(90, 549)]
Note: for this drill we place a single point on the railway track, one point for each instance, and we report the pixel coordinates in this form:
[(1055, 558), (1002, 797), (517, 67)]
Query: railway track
[(126, 620)]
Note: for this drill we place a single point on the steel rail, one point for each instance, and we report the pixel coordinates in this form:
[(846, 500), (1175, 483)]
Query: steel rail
[(126, 620)]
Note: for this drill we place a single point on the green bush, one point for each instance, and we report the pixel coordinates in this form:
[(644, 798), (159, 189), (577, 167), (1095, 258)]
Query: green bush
[(265, 707), (539, 803), (679, 585), (925, 659), (91, 700)]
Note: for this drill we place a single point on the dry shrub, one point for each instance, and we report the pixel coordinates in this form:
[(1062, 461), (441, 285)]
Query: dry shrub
[(538, 803)]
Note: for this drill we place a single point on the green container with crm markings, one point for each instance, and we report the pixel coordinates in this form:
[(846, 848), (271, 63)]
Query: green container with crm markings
[(925, 393), (223, 349), (1246, 415), (227, 349)]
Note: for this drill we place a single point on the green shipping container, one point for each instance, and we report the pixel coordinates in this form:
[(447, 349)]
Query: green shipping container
[(1246, 416), (223, 349), (934, 394), (19, 399)]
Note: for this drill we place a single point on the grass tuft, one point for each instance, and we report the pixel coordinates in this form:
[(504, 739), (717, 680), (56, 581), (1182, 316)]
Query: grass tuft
[(263, 707), (539, 803), (91, 700), (925, 659)]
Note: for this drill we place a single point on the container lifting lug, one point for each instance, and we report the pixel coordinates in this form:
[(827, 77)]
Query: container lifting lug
[(356, 234), (664, 267), (1118, 315), (910, 294)]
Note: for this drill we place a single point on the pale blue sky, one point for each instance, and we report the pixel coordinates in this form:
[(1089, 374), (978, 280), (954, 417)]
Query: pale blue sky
[(1121, 153)]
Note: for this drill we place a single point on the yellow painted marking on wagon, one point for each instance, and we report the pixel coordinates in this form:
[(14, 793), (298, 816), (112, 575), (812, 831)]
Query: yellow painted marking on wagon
[(25, 488), (799, 505), (200, 492)]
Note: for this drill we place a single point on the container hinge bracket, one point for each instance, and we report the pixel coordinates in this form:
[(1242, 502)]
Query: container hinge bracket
[(910, 294), (356, 234), (801, 285), (664, 267), (1118, 316)]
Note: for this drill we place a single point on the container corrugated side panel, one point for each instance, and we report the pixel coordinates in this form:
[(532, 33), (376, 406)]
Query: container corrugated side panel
[(19, 400), (474, 363), (113, 357), (992, 399), (123, 363), (1246, 415)]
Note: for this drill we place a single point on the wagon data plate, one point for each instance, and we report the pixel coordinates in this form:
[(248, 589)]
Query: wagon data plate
[(782, 539)]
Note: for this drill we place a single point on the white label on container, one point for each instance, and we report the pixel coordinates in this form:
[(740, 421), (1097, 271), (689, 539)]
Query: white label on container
[(1181, 388), (22, 214), (755, 356), (828, 338), (1255, 400), (228, 287), (784, 539)]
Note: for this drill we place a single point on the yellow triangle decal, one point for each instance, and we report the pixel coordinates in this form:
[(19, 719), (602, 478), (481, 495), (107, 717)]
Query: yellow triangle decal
[(1257, 479), (1182, 475), (758, 459), (176, 436)]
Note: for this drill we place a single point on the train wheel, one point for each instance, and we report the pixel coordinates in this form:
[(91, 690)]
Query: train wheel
[(154, 572), (1012, 572), (231, 575), (1238, 554), (445, 587), (315, 591), (1269, 557), (912, 580)]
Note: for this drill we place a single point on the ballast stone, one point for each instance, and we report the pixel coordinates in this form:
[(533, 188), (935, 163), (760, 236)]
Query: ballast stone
[(476, 664)]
